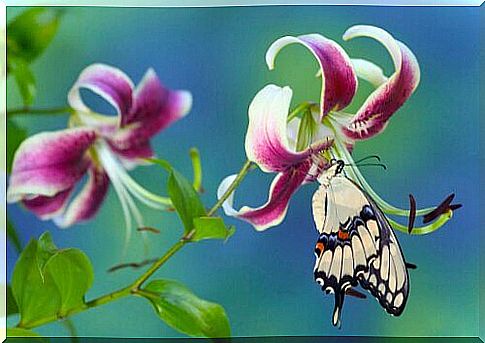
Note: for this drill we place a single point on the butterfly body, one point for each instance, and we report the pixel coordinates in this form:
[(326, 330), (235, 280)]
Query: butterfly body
[(356, 245)]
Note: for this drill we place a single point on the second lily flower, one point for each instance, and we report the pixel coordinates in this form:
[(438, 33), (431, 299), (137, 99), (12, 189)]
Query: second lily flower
[(48, 166)]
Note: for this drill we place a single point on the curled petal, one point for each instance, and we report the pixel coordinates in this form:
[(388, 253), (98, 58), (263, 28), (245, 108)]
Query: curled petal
[(339, 82), (48, 163), (87, 203), (267, 137), (372, 117), (48, 207), (108, 82), (368, 71), (273, 212), (155, 108), (133, 155)]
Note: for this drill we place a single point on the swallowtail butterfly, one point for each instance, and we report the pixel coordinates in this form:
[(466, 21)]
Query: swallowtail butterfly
[(356, 245)]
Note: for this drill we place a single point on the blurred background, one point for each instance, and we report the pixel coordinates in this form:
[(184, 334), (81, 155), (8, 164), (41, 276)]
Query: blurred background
[(265, 280)]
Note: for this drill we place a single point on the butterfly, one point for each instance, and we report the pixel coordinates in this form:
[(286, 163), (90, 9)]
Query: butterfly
[(356, 245)]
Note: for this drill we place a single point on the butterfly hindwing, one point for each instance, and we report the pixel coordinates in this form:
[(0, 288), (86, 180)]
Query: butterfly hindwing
[(387, 278), (356, 245)]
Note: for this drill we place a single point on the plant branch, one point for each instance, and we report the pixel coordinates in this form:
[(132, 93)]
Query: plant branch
[(240, 176), (29, 110), (134, 287)]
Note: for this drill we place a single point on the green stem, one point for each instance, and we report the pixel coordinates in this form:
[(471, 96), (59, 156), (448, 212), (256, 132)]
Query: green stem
[(240, 176), (28, 110), (161, 261), (134, 287)]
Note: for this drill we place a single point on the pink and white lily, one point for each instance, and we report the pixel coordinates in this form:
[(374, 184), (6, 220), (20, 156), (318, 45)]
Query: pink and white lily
[(48, 166), (293, 146)]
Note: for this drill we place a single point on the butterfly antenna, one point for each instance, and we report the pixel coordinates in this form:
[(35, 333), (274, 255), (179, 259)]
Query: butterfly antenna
[(369, 165), (368, 158)]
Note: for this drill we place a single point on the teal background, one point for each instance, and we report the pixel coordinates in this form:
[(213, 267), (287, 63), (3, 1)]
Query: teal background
[(264, 280)]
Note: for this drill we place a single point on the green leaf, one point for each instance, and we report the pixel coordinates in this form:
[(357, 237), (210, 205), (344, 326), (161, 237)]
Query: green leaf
[(197, 169), (185, 199), (15, 136), (211, 228), (12, 307), (73, 275), (37, 296), (31, 32), (13, 236), (24, 77), (177, 306), (48, 282), (17, 332)]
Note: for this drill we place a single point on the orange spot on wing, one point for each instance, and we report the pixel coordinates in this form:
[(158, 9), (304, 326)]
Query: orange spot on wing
[(343, 235), (320, 247)]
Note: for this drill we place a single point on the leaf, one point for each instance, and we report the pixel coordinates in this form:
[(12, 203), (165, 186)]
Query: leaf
[(15, 136), (197, 169), (37, 296), (17, 332), (48, 282), (32, 31), (185, 199), (177, 306), (73, 275), (12, 307), (24, 77), (13, 236), (211, 228), (183, 195)]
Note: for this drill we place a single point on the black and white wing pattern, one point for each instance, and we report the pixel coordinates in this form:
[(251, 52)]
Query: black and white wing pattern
[(357, 245)]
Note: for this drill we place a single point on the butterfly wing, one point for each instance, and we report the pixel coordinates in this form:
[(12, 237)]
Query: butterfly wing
[(387, 278), (356, 244)]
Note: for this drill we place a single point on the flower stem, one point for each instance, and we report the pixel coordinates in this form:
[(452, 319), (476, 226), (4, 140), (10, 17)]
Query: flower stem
[(161, 261), (134, 287), (240, 176), (29, 110)]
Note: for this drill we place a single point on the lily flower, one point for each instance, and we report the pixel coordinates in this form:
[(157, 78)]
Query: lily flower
[(48, 166), (293, 144)]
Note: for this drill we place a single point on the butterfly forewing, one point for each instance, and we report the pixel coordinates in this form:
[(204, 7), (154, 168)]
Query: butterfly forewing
[(356, 244)]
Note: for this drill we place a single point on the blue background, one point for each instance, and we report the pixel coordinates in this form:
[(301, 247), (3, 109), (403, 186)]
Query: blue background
[(264, 280)]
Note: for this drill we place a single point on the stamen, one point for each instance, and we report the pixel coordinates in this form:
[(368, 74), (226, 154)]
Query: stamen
[(356, 176), (149, 229), (442, 219), (143, 195), (412, 214), (132, 265), (445, 206)]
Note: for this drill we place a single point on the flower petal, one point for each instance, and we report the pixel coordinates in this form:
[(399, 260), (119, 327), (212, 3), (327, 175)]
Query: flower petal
[(339, 82), (87, 203), (108, 82), (133, 155), (154, 109), (49, 162), (274, 210), (372, 117), (267, 137), (368, 71), (48, 207)]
